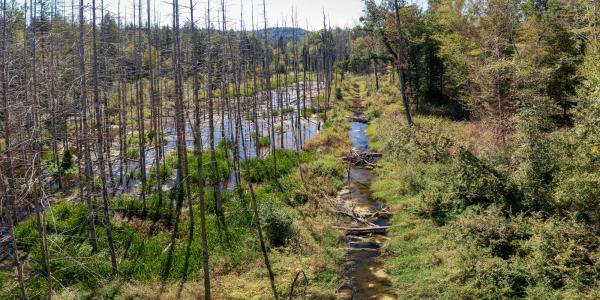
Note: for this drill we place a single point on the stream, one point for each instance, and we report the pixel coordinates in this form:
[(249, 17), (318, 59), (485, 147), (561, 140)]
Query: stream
[(364, 277)]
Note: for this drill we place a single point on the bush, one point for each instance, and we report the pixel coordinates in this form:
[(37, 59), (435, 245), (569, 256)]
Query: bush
[(264, 141), (578, 192), (470, 181), (67, 161), (478, 182), (326, 167), (261, 169), (338, 94), (277, 224), (517, 256)]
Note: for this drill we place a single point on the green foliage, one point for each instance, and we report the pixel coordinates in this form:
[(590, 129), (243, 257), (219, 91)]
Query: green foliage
[(132, 153), (4, 278), (326, 167), (67, 161), (261, 169), (338, 93), (223, 162), (533, 156), (518, 255), (264, 141), (277, 224)]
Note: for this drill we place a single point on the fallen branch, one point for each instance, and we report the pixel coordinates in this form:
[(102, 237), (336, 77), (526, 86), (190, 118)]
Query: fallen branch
[(362, 249), (360, 158), (363, 230), (359, 120), (355, 216)]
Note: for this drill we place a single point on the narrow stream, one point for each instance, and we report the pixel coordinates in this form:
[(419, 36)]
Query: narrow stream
[(364, 277)]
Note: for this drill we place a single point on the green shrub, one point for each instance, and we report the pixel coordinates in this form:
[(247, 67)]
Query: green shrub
[(478, 182), (261, 169), (518, 256), (264, 141), (67, 161), (534, 157), (326, 166), (338, 93), (470, 181), (577, 192), (277, 224), (133, 153)]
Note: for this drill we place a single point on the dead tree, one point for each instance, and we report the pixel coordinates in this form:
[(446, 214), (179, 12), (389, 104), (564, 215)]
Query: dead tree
[(9, 190), (36, 185), (198, 149), (267, 90), (100, 148), (140, 110), (259, 232), (85, 129), (211, 123)]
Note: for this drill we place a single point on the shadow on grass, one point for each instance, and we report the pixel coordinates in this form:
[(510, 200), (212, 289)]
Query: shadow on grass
[(186, 265)]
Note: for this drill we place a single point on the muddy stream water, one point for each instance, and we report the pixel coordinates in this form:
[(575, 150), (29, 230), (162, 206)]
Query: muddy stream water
[(364, 277)]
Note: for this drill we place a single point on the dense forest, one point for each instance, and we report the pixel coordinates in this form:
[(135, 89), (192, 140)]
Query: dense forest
[(450, 150)]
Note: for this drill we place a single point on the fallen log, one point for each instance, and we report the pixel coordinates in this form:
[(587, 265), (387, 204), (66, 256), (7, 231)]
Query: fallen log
[(363, 230), (362, 249), (359, 120), (355, 217), (360, 158)]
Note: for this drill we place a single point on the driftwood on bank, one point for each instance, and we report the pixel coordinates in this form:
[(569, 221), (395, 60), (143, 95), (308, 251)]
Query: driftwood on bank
[(360, 158), (359, 120), (363, 230)]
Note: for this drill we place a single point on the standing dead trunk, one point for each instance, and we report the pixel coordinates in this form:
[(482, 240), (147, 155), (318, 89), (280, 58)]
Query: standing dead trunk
[(267, 91), (297, 81), (85, 130), (37, 184), (100, 148), (198, 149), (9, 194), (211, 123), (263, 247), (140, 113), (182, 181)]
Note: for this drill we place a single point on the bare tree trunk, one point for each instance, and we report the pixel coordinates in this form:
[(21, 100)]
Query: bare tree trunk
[(297, 81), (140, 112), (211, 124), (263, 248), (255, 92), (122, 109), (10, 192), (198, 148), (267, 91), (106, 111), (85, 129), (182, 180), (36, 185), (304, 67), (107, 224), (376, 74)]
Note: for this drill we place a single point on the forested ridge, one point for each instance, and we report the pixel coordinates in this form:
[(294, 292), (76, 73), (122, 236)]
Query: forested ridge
[(443, 151)]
